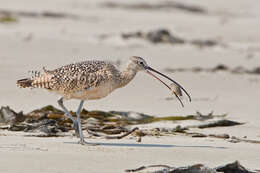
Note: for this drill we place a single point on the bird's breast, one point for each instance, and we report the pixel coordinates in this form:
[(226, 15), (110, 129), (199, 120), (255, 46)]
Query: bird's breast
[(93, 93)]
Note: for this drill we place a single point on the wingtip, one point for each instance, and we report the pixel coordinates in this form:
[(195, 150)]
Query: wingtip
[(24, 83)]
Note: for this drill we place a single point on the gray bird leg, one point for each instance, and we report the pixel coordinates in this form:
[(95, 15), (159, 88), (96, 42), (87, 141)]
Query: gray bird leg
[(60, 102), (82, 141)]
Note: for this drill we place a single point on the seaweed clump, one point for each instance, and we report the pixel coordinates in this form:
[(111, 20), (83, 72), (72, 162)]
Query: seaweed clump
[(50, 121)]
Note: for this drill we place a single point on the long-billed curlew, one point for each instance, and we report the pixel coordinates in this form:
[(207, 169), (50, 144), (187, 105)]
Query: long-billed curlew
[(89, 80)]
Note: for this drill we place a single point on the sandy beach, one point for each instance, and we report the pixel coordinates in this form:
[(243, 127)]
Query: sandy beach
[(58, 32)]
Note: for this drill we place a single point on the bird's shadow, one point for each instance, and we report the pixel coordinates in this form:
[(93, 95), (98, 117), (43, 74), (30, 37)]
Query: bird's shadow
[(109, 144)]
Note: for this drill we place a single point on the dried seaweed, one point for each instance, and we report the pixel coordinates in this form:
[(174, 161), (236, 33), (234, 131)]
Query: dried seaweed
[(223, 136), (8, 115), (219, 123), (165, 36), (115, 118), (217, 68), (114, 137), (150, 166), (236, 140), (50, 121), (164, 5), (234, 167), (11, 16), (198, 168)]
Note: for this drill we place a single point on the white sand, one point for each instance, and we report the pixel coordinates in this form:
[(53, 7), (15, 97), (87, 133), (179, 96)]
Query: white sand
[(57, 42)]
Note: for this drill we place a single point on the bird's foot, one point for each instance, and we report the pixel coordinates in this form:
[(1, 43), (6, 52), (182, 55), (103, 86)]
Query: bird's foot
[(83, 142)]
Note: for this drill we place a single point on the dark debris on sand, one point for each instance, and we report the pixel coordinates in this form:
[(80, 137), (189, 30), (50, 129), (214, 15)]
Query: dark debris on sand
[(13, 15), (50, 121), (165, 36), (234, 167), (218, 68), (155, 36), (163, 5), (219, 123)]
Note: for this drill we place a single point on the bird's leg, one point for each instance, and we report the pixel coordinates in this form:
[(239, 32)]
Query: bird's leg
[(60, 102), (82, 141)]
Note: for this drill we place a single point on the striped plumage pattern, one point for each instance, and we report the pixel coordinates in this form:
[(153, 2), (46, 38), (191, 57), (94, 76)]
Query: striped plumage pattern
[(73, 77)]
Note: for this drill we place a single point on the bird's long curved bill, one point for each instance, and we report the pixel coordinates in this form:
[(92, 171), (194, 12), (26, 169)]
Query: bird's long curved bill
[(151, 69)]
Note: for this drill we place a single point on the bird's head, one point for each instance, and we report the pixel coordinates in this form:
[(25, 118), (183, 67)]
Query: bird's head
[(140, 64)]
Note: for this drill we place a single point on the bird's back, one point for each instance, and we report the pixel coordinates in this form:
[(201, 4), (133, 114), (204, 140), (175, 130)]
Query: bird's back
[(74, 76)]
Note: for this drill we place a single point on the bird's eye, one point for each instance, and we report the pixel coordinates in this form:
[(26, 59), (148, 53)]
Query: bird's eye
[(141, 62)]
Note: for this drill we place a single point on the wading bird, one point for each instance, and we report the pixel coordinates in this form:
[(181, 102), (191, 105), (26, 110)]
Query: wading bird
[(89, 80)]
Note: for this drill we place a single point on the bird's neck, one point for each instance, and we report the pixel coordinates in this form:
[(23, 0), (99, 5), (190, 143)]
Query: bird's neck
[(127, 75)]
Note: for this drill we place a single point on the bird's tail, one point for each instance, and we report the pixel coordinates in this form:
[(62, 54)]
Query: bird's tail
[(24, 83)]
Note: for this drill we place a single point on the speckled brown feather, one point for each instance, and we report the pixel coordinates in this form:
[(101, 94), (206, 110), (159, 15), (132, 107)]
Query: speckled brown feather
[(81, 75), (73, 77)]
